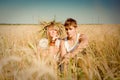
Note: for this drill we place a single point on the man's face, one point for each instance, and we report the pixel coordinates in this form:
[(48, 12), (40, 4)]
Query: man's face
[(71, 31)]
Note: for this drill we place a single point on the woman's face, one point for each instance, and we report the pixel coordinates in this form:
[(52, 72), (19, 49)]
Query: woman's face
[(52, 32), (71, 31)]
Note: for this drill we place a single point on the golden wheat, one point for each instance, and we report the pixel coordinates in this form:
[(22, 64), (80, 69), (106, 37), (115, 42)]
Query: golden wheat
[(19, 58)]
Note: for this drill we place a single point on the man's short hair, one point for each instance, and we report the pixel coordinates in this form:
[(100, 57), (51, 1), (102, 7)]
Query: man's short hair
[(70, 22)]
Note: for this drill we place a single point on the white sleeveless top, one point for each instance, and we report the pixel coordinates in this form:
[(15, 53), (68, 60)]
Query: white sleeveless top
[(67, 46)]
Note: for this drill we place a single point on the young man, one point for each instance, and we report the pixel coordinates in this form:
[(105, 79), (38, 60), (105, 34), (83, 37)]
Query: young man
[(74, 42)]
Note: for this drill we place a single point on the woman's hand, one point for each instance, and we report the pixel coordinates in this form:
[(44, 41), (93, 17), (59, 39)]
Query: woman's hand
[(54, 37)]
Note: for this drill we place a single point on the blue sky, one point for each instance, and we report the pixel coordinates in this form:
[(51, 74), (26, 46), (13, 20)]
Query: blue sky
[(84, 11)]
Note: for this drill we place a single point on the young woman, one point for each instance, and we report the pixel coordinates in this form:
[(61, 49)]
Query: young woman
[(49, 46)]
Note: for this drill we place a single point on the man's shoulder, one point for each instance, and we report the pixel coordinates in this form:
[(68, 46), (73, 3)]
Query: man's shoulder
[(83, 35)]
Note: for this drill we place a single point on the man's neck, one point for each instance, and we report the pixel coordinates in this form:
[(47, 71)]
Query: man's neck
[(73, 38)]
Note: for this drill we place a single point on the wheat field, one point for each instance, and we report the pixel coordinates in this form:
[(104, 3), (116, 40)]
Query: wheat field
[(18, 50)]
